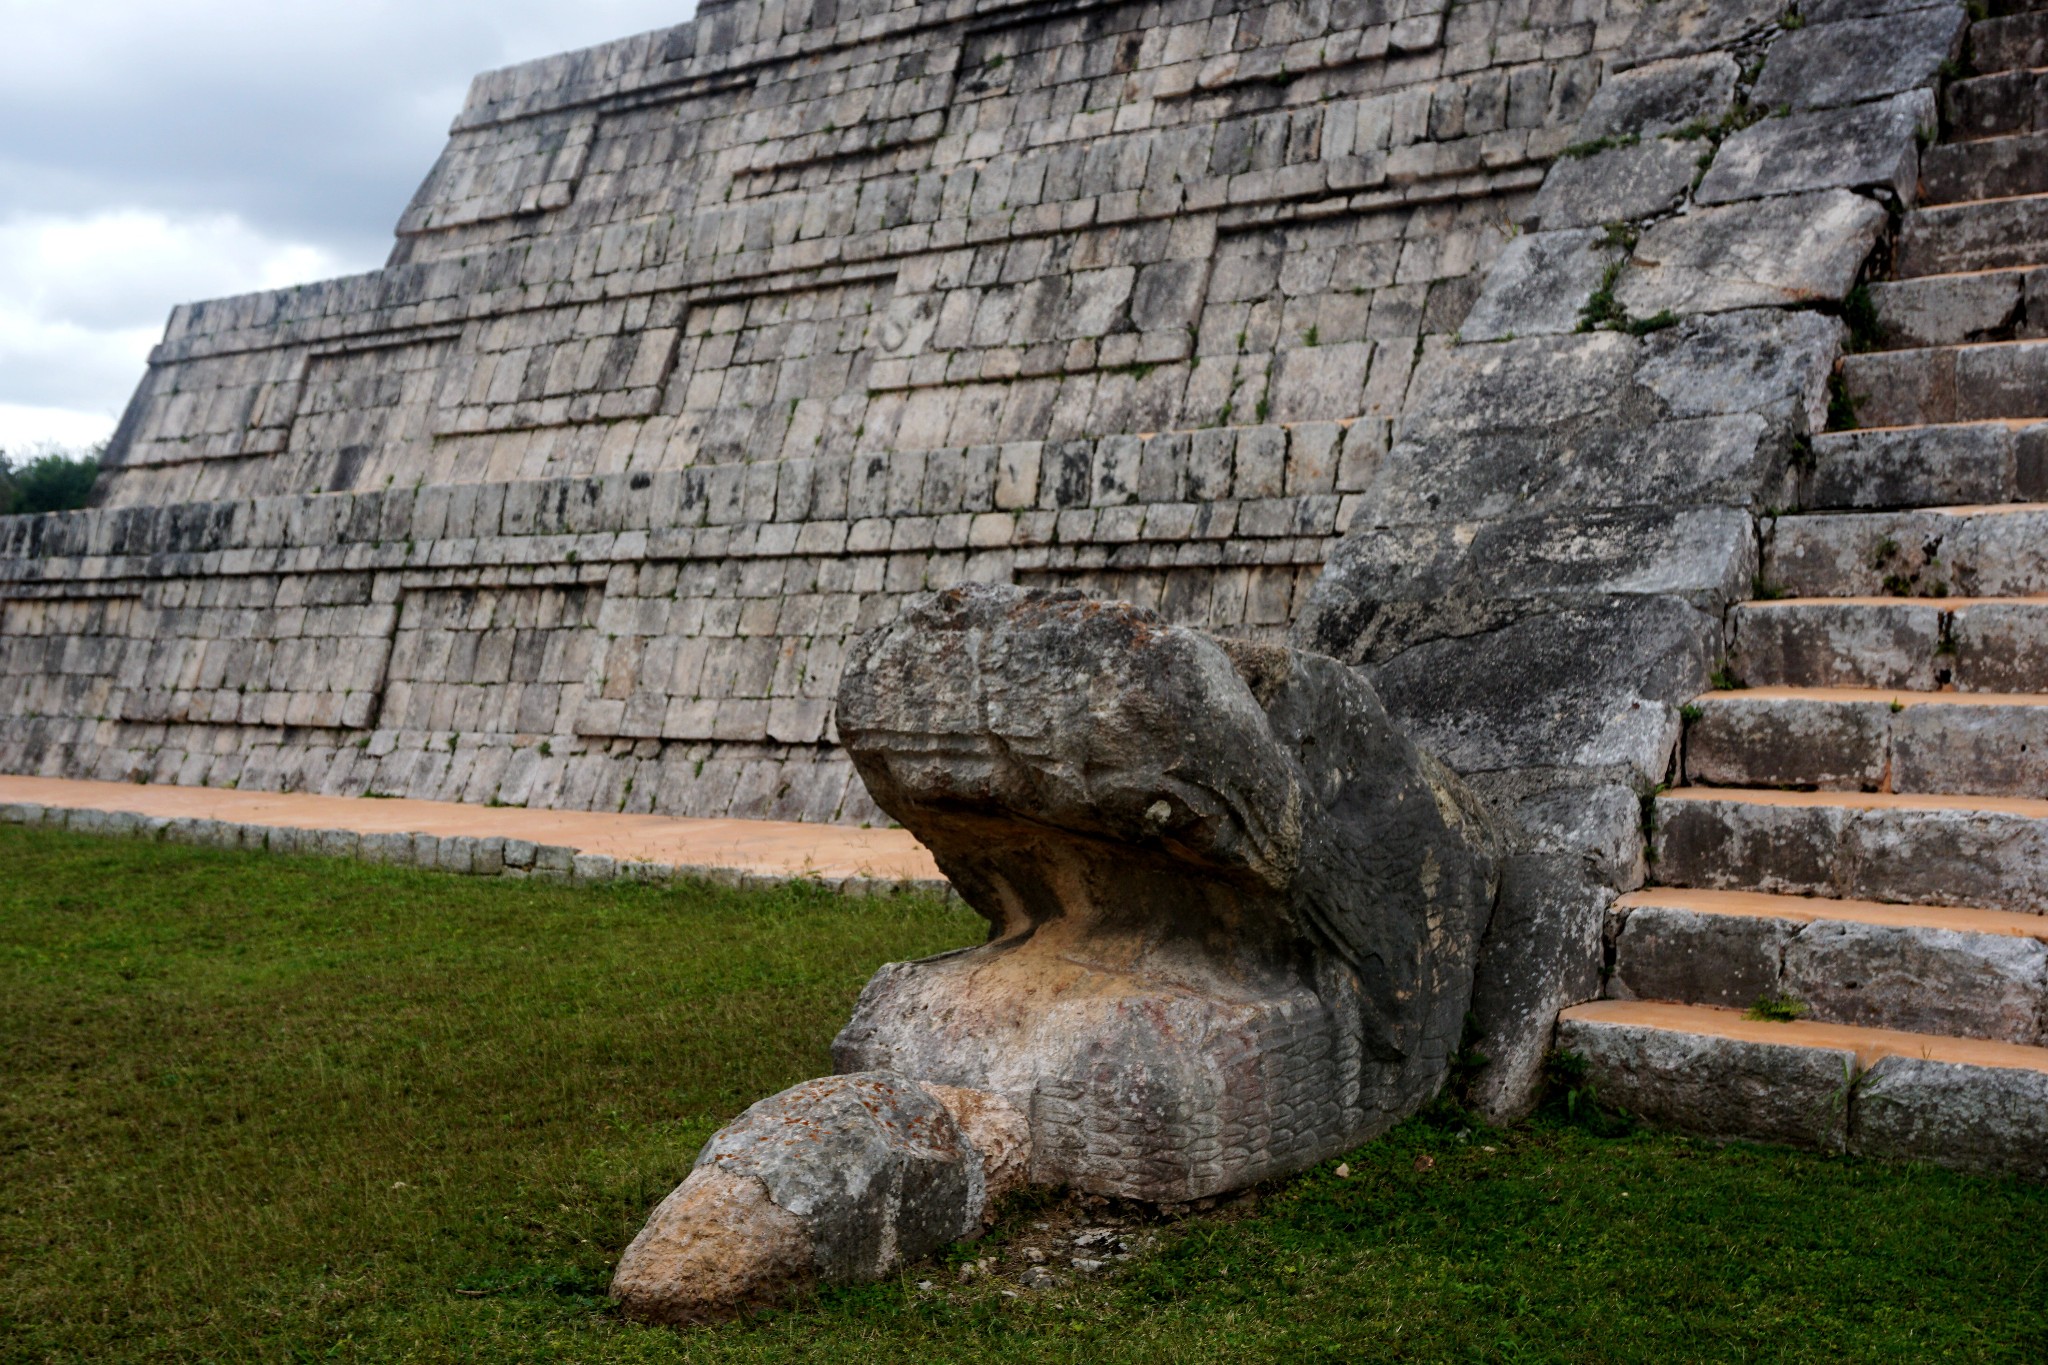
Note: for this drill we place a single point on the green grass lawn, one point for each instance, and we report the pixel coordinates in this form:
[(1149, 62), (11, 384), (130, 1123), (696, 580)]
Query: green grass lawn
[(293, 1110)]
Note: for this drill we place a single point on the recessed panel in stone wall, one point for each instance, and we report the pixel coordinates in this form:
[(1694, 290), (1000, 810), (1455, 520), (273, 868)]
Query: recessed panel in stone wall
[(496, 173), (364, 413), (226, 651), (774, 375), (560, 367), (217, 408), (490, 660), (746, 651)]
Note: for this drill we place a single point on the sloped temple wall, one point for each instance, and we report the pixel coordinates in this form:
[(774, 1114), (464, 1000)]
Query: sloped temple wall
[(700, 351)]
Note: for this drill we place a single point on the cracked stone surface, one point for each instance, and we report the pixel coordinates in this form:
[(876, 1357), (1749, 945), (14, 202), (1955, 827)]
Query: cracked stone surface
[(1540, 285), (1763, 253), (840, 1179), (1234, 912)]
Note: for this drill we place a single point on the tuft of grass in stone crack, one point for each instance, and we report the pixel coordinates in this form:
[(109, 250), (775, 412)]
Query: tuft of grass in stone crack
[(1775, 1008), (1859, 314), (1579, 151), (1841, 404)]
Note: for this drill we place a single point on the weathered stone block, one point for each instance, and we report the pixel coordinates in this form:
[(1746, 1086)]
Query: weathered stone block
[(338, 843), (1930, 855), (2011, 42), (1929, 553), (1995, 168), (1541, 954), (1824, 65), (2000, 647), (1869, 146), (1718, 1087), (1595, 687), (1741, 741), (1540, 285), (456, 855), (390, 850), (1518, 470), (1665, 953), (1087, 776), (1567, 561), (1990, 750), (1685, 27), (1837, 11), (1602, 825), (594, 867), (1993, 235), (1933, 981), (1772, 253), (1948, 310), (837, 1180), (1662, 97), (1837, 644), (1743, 846), (1924, 467), (1767, 363), (1620, 184), (1970, 1117)]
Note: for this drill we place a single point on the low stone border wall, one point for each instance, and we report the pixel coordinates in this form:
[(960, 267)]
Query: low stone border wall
[(462, 855)]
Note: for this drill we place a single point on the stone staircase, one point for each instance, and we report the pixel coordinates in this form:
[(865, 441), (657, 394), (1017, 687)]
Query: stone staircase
[(1860, 833)]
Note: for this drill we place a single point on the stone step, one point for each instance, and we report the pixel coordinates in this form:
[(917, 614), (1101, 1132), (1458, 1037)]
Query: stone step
[(1923, 466), (1987, 234), (2011, 43), (1999, 550), (1981, 851), (1989, 168), (1966, 973), (1913, 644), (1962, 1102), (1937, 384), (1951, 310), (1993, 106), (1998, 9), (1866, 739)]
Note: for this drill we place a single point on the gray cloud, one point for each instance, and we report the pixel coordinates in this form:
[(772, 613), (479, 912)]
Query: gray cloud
[(219, 145)]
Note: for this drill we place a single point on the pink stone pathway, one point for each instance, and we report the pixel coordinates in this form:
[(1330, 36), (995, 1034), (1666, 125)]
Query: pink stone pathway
[(753, 846)]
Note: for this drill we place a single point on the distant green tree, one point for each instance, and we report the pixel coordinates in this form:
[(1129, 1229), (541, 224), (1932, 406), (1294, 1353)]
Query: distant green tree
[(50, 480)]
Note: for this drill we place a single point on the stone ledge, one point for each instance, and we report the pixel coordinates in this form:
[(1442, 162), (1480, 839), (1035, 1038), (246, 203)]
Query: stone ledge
[(1878, 1093), (461, 855)]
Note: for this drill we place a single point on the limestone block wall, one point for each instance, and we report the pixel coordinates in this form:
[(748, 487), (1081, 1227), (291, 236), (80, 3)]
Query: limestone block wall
[(699, 351)]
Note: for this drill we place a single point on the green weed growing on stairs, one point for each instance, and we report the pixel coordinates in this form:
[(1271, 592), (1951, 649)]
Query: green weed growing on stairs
[(1570, 1096), (1773, 1007), (1859, 314), (1841, 405)]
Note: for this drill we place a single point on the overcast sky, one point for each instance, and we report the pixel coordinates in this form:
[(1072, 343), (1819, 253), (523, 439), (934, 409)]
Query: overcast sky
[(152, 153)]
